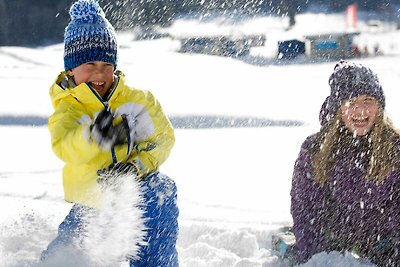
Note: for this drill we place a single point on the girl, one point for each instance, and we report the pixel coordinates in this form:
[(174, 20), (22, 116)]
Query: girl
[(345, 187)]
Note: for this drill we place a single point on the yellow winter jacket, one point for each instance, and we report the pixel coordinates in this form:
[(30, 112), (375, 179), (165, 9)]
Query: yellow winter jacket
[(74, 111)]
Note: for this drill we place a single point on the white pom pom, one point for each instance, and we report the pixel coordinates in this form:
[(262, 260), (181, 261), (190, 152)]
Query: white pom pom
[(86, 10)]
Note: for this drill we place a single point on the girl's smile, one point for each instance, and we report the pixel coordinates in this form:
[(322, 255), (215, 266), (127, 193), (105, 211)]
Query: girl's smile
[(359, 114)]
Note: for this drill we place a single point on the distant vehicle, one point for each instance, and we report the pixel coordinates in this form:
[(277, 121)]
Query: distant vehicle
[(204, 45), (222, 45), (290, 49)]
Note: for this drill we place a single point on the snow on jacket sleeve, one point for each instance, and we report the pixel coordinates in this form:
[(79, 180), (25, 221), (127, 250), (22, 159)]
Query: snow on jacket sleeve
[(70, 134), (307, 206), (153, 133)]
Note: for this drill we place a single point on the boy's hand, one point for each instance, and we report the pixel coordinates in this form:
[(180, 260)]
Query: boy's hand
[(125, 131), (105, 133), (121, 131)]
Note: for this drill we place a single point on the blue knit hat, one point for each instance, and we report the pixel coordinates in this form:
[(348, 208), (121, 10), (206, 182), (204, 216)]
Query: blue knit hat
[(89, 36), (347, 81)]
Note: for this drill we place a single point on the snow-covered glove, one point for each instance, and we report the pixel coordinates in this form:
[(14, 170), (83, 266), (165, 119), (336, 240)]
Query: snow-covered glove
[(122, 132), (108, 175), (129, 123), (283, 244), (105, 133)]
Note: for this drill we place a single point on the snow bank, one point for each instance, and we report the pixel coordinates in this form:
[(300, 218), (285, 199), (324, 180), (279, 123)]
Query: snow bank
[(110, 235)]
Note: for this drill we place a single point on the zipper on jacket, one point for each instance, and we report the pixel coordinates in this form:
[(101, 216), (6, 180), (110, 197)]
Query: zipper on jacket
[(109, 94)]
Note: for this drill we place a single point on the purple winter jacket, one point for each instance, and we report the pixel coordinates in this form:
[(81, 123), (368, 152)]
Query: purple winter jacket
[(346, 212)]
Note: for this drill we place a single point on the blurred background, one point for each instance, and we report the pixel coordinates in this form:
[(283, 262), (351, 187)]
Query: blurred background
[(41, 22)]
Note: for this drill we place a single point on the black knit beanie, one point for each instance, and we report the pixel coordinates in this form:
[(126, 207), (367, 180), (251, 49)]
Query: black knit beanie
[(347, 81)]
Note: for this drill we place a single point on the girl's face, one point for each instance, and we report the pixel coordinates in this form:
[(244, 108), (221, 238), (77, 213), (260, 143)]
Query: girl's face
[(99, 74), (359, 114)]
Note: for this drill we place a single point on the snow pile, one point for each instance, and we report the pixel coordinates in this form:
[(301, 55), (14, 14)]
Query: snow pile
[(22, 241), (110, 236), (216, 247), (336, 259)]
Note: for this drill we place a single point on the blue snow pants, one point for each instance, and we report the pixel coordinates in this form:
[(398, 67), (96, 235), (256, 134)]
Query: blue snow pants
[(161, 214)]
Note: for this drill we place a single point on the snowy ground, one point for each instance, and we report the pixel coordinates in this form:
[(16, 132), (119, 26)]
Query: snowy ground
[(233, 182)]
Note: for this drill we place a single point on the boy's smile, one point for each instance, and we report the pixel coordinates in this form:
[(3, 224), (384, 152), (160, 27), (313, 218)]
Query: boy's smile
[(99, 87), (98, 74)]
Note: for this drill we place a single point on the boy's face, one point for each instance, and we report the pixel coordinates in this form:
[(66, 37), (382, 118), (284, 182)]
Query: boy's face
[(99, 74)]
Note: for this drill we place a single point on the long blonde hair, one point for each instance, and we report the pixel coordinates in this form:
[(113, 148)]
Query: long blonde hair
[(383, 138)]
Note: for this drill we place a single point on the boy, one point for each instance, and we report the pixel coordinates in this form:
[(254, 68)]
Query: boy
[(100, 124)]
